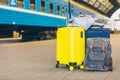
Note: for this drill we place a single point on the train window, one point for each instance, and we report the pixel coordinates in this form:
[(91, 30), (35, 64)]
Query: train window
[(32, 4), (66, 12), (20, 3), (63, 11), (43, 5), (51, 8), (58, 10), (72, 11), (4, 2)]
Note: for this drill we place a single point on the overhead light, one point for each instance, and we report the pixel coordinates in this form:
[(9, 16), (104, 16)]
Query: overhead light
[(118, 1)]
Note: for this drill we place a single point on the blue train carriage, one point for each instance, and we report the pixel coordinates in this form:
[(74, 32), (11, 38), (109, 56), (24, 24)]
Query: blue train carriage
[(37, 19), (34, 18)]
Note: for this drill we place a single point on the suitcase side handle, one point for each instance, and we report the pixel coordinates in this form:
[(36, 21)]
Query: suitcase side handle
[(81, 34)]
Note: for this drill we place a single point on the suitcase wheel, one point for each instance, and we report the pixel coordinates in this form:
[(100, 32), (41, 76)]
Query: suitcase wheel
[(57, 65), (81, 67), (71, 68), (111, 69)]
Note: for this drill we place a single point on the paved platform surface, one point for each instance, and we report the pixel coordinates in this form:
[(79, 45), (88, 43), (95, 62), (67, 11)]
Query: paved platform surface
[(36, 61)]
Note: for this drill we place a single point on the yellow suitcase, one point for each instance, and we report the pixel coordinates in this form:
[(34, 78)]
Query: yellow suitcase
[(70, 47)]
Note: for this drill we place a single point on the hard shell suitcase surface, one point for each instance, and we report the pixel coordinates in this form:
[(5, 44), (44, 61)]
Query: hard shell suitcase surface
[(97, 31), (70, 47)]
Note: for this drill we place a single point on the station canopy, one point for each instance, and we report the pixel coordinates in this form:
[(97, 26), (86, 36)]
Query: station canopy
[(106, 7)]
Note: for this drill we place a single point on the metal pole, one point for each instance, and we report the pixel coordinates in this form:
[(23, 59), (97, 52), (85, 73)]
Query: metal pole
[(69, 7)]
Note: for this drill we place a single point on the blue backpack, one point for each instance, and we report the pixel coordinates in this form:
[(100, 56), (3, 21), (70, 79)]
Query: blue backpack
[(98, 54)]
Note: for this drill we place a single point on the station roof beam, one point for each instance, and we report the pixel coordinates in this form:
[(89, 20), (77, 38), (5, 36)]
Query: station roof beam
[(105, 7)]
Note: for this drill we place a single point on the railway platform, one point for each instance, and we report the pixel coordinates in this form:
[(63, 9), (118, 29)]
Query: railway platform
[(35, 60)]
